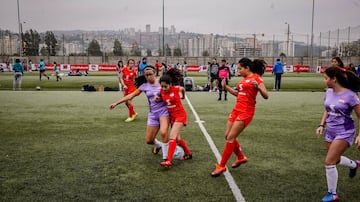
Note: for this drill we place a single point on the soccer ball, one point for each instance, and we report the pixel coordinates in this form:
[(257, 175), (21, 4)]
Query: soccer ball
[(179, 152), (38, 88)]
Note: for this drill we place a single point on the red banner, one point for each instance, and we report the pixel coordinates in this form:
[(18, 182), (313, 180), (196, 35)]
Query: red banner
[(107, 68), (301, 68), (81, 67)]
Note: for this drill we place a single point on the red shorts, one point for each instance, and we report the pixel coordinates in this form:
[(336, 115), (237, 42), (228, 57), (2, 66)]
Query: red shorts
[(128, 90), (179, 118), (240, 116)]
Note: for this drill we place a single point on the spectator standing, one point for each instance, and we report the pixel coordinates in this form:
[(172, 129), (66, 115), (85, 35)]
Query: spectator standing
[(142, 66), (223, 74), (213, 71), (157, 66), (185, 69), (18, 69), (278, 70)]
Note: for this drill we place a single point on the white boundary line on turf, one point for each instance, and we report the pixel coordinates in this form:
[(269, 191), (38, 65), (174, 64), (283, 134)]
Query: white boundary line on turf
[(233, 186)]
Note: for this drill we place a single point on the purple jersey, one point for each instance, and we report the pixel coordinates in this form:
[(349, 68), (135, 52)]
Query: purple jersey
[(152, 92), (339, 107)]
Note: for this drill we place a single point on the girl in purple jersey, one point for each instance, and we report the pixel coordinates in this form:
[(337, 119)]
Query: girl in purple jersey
[(340, 100), (158, 116)]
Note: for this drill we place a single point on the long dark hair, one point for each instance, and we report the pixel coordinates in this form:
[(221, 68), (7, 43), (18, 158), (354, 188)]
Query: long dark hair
[(173, 76), (338, 59), (142, 78), (346, 78), (257, 66)]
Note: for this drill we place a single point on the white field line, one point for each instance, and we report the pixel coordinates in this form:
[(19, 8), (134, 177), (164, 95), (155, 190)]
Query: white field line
[(233, 186)]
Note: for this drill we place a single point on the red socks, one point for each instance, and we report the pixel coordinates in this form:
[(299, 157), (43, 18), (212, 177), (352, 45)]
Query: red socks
[(131, 109), (228, 150), (183, 144), (237, 150), (172, 147)]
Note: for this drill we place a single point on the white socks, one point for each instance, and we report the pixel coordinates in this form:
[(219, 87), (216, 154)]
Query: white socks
[(165, 149), (157, 143), (345, 161), (332, 178)]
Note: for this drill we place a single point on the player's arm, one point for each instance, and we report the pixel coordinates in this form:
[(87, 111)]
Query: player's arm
[(182, 93), (126, 98), (357, 112), (321, 127), (228, 88)]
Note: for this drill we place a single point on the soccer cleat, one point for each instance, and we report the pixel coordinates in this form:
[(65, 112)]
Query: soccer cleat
[(238, 162), (330, 197), (166, 164), (352, 172), (156, 150), (218, 171), (129, 119), (186, 157), (134, 115)]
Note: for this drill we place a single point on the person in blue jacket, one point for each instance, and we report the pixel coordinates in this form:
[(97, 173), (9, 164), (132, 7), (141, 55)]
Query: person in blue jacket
[(142, 66), (18, 69), (42, 69), (278, 70)]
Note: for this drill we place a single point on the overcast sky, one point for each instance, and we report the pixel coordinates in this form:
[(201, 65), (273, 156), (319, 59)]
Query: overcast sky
[(200, 16)]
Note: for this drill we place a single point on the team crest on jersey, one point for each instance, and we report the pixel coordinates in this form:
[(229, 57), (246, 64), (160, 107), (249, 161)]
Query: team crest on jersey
[(247, 81), (341, 100)]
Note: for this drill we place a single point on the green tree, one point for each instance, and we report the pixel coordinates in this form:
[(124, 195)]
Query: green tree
[(32, 40), (118, 48), (167, 50), (148, 52), (205, 53), (94, 48), (50, 42), (135, 50), (177, 51)]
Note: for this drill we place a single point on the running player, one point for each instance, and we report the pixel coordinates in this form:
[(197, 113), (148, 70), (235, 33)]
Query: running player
[(170, 94), (243, 111), (158, 116), (340, 100), (127, 80)]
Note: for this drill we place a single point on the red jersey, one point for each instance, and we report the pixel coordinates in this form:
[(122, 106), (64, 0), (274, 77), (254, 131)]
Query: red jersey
[(129, 78), (173, 101), (246, 98)]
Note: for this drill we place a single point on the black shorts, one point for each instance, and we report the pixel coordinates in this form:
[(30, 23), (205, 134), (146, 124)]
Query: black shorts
[(42, 71)]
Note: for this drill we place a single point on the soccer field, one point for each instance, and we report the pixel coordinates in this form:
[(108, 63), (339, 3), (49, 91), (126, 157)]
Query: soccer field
[(68, 146)]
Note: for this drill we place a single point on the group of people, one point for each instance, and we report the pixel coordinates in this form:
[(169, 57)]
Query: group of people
[(165, 107), (337, 125), (217, 73)]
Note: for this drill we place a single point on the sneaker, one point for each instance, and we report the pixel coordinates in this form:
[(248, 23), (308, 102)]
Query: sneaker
[(166, 164), (218, 171), (129, 119), (330, 197), (156, 150), (352, 171), (186, 157), (238, 162)]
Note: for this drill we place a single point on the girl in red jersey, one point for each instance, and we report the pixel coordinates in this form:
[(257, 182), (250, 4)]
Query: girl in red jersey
[(127, 80), (172, 94), (243, 111)]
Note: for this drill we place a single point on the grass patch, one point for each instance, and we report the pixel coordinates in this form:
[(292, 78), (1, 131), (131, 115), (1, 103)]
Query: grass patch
[(68, 146)]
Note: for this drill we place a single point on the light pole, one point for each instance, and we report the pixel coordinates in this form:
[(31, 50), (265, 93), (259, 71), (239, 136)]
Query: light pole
[(20, 34), (288, 39), (312, 35), (163, 29)]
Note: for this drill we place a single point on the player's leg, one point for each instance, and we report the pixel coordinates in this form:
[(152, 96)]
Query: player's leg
[(335, 150)]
